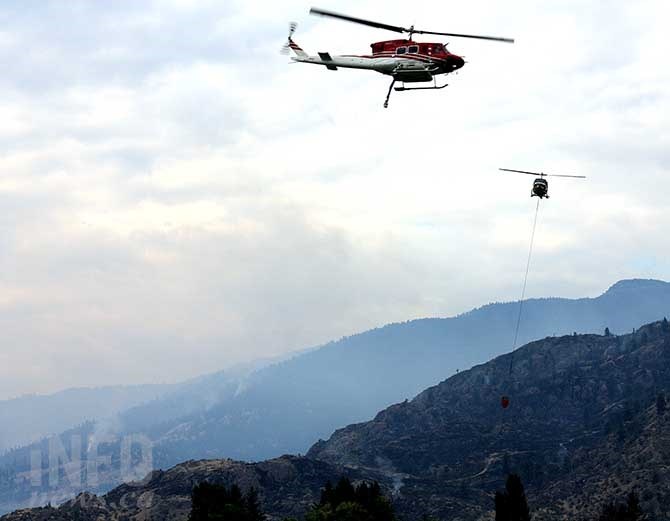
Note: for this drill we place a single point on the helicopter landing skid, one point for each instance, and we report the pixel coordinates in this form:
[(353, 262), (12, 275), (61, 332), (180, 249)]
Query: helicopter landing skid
[(403, 88)]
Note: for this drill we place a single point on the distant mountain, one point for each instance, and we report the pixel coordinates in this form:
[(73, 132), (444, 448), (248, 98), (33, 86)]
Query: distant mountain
[(583, 428), (283, 408), (29, 418)]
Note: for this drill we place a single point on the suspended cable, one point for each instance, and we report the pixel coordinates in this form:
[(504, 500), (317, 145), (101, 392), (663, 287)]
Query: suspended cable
[(523, 291), (505, 401)]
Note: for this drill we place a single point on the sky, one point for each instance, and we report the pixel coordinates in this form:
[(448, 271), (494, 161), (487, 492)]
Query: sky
[(176, 198)]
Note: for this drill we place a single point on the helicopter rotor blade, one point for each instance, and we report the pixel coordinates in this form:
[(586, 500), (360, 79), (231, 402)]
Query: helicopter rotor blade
[(399, 29), (540, 174), (561, 175), (347, 18), (521, 171), (475, 36)]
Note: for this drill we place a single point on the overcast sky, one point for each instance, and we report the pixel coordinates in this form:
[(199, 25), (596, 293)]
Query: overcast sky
[(175, 197)]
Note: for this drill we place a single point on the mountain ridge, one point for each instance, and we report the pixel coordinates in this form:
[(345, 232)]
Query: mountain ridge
[(583, 415)]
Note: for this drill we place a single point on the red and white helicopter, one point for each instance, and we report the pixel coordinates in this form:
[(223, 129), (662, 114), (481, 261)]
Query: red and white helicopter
[(404, 60)]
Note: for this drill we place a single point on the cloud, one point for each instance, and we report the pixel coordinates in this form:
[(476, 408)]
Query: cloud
[(176, 198)]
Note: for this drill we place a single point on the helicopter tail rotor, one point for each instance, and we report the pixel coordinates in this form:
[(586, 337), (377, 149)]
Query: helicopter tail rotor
[(291, 29)]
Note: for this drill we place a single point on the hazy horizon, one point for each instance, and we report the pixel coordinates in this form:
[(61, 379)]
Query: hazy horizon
[(262, 362)]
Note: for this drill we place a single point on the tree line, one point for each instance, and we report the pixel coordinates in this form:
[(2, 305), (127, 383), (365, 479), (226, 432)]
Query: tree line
[(366, 502)]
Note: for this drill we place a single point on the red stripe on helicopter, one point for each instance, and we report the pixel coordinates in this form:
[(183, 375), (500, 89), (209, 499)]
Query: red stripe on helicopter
[(422, 59), (293, 45)]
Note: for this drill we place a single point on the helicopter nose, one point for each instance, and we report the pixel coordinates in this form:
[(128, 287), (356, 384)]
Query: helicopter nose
[(457, 62)]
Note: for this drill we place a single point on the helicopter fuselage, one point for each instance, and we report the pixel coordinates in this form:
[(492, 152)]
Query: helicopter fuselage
[(540, 188), (404, 60)]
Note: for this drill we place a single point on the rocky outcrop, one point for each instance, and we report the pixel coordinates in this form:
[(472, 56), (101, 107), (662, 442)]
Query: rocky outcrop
[(579, 406), (287, 487)]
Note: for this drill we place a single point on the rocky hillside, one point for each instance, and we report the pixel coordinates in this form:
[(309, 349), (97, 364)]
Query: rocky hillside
[(583, 427), (289, 486)]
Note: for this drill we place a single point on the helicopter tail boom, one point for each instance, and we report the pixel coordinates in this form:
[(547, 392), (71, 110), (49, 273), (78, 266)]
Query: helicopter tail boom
[(296, 49)]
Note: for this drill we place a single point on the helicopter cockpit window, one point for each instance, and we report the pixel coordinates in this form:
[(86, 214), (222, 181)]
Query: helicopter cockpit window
[(414, 49), (438, 48), (401, 50)]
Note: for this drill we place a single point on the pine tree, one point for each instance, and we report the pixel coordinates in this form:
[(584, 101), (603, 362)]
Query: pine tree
[(517, 499), (344, 491), (217, 502), (502, 510), (607, 332), (327, 494), (511, 505), (345, 502), (665, 327), (253, 506)]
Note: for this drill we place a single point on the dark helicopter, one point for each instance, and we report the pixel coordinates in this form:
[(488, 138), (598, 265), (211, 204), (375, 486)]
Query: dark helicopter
[(541, 185)]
